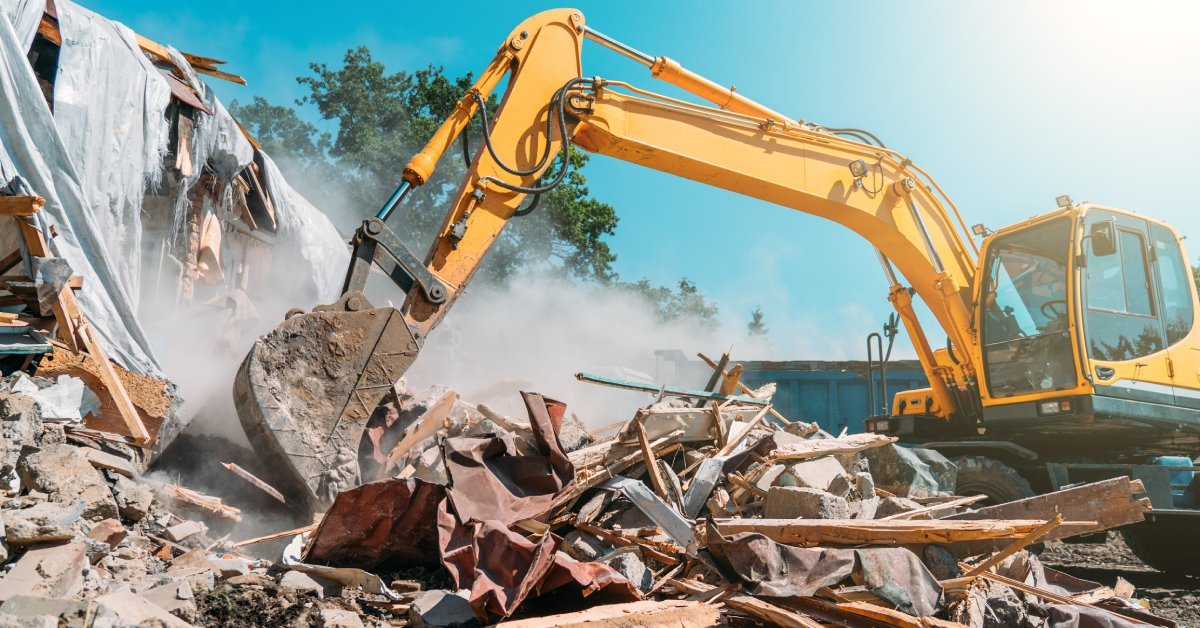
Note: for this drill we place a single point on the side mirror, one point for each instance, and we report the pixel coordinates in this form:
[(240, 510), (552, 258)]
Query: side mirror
[(1104, 238)]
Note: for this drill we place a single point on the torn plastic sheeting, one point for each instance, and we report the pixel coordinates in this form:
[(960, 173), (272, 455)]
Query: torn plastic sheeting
[(34, 150), (346, 576), (25, 16), (771, 569), (489, 481), (663, 515), (116, 136)]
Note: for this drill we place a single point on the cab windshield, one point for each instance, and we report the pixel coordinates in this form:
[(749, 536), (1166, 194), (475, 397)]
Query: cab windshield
[(1027, 345)]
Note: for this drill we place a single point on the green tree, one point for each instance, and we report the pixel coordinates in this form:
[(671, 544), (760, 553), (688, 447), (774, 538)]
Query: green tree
[(684, 302), (1196, 275), (382, 118), (756, 327)]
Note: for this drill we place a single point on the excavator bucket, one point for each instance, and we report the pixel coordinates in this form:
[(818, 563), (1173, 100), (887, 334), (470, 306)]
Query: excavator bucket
[(306, 390)]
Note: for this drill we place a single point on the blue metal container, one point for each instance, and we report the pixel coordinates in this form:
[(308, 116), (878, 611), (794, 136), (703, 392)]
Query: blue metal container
[(1181, 479)]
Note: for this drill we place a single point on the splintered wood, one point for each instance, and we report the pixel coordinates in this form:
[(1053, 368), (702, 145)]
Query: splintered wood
[(254, 481), (195, 499), (810, 532)]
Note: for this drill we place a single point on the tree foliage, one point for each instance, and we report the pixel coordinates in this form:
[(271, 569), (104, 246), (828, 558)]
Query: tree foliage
[(684, 302), (382, 118)]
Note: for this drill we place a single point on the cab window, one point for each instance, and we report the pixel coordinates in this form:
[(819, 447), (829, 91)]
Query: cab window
[(1024, 316), (1122, 321), (1175, 279)]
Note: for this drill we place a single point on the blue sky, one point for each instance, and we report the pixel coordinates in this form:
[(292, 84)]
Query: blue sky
[(1007, 104)]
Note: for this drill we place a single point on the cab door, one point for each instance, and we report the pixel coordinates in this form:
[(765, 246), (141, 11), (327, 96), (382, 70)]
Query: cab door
[(1124, 335), (1176, 288)]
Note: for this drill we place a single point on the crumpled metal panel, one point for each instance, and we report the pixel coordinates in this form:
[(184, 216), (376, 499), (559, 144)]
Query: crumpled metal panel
[(772, 569)]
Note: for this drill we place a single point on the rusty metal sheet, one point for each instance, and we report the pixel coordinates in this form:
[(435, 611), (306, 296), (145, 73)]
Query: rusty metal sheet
[(490, 482), (389, 522)]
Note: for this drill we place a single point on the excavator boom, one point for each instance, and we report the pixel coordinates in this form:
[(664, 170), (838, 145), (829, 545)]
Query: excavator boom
[(312, 411)]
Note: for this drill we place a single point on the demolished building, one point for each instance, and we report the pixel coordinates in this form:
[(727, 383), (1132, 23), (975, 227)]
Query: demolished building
[(150, 195)]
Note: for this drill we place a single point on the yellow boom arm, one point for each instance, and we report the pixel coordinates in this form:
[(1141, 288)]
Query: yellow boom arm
[(739, 145)]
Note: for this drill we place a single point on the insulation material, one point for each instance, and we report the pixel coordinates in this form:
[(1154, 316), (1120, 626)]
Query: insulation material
[(210, 250)]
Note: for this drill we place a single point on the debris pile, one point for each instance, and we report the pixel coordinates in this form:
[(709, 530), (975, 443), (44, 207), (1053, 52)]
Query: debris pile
[(701, 509)]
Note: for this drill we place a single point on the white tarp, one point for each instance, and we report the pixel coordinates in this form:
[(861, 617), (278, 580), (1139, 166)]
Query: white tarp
[(94, 156), (34, 151), (115, 135)]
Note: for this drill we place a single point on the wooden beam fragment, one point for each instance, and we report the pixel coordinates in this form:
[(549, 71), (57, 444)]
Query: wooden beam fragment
[(276, 535), (648, 613), (1109, 503), (954, 503), (254, 480), (752, 606), (812, 427), (105, 460), (828, 446), (810, 532), (656, 479), (196, 499), (1034, 536), (21, 205)]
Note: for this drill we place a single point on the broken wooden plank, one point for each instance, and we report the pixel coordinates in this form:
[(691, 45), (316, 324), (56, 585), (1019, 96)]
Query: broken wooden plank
[(1034, 536), (816, 448), (428, 425), (621, 540), (761, 609), (731, 379), (252, 479), (954, 503), (650, 459), (196, 499), (1109, 503), (276, 535), (809, 532), (105, 460), (202, 65), (21, 205), (674, 613), (865, 614), (733, 442)]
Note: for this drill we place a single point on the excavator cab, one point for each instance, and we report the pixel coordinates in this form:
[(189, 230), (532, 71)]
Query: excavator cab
[(1087, 340)]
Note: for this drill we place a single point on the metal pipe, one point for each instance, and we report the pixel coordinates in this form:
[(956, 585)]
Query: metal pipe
[(888, 271), (394, 201), (618, 47)]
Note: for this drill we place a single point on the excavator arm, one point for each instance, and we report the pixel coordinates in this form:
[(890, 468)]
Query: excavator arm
[(307, 390), (738, 145)]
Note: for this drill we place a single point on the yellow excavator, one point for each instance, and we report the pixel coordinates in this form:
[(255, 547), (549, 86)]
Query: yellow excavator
[(1070, 354)]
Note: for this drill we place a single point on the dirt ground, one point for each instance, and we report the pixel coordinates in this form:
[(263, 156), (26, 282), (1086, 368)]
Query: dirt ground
[(1174, 597)]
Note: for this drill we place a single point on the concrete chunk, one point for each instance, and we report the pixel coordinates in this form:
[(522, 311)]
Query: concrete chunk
[(42, 523), (894, 506), (338, 618), (911, 471), (441, 609), (817, 473), (28, 610), (132, 608), (793, 502), (175, 597), (133, 498), (109, 531), (64, 473), (181, 531), (47, 572)]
